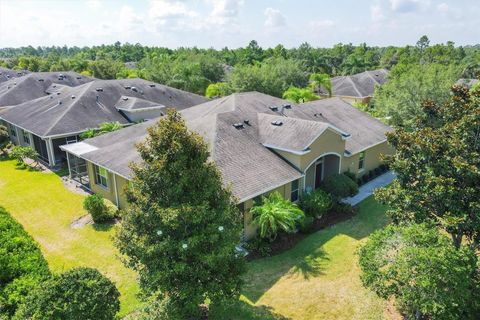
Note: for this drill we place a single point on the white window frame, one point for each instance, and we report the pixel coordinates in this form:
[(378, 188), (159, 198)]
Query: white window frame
[(99, 175), (26, 136), (361, 161)]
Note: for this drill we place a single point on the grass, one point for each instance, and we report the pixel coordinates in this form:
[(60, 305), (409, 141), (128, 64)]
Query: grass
[(45, 208), (318, 279)]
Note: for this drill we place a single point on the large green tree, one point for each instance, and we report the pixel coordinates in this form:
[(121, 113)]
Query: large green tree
[(438, 168), (182, 225), (399, 100), (419, 267)]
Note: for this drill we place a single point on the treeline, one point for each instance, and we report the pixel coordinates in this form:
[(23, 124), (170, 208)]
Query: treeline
[(270, 70)]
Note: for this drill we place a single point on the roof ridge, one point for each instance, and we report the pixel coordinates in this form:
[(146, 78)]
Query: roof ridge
[(354, 85)]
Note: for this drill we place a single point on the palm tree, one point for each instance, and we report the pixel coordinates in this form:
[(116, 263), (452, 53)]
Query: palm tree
[(276, 214), (297, 95), (318, 80), (109, 127)]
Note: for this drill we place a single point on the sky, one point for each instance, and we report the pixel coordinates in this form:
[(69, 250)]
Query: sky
[(233, 23)]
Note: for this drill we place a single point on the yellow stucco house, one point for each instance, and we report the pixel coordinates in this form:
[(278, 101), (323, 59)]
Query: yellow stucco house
[(260, 144)]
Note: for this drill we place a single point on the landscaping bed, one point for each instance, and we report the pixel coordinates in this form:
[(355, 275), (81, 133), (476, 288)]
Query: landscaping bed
[(287, 241)]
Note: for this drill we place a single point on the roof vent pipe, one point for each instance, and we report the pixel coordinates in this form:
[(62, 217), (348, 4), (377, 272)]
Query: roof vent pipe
[(97, 98)]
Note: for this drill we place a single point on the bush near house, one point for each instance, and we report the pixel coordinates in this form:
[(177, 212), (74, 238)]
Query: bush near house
[(340, 186), (80, 293), (276, 214), (316, 203), (101, 210), (22, 266), (21, 153), (4, 138)]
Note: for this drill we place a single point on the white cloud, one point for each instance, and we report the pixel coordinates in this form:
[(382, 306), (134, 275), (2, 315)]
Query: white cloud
[(171, 14), (274, 18), (322, 24), (94, 4), (376, 13), (226, 8), (408, 5)]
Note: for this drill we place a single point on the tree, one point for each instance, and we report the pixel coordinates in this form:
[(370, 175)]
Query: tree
[(181, 227), (219, 89), (275, 214), (298, 95), (321, 80), (78, 294), (399, 100), (438, 168), (21, 153), (105, 127), (428, 277)]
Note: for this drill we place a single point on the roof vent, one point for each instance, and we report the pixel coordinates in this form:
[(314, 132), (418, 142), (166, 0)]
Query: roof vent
[(277, 123), (287, 106), (54, 86), (134, 89), (152, 85), (125, 98), (41, 80), (238, 125), (8, 87), (51, 97), (73, 96), (59, 102), (317, 115), (60, 77), (247, 122), (274, 108), (19, 73), (99, 89), (58, 93), (78, 78), (8, 76), (127, 87)]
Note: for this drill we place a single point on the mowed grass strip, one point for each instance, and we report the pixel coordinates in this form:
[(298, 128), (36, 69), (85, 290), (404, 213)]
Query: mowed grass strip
[(45, 208)]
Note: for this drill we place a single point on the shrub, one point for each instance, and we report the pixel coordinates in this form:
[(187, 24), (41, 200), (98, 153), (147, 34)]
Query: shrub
[(351, 175), (343, 208), (276, 214), (260, 246), (80, 293), (377, 171), (307, 224), (316, 203), (365, 178), (20, 153), (22, 265), (4, 137), (340, 186), (101, 210), (383, 167)]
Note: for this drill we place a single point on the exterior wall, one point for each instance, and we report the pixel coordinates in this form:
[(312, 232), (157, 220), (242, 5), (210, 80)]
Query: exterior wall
[(109, 193), (372, 159), (142, 115), (354, 100)]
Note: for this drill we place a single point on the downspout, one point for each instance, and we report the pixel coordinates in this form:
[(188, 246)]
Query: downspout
[(115, 189)]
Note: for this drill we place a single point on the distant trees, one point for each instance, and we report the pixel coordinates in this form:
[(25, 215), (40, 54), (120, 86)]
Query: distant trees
[(181, 227), (399, 100), (321, 80)]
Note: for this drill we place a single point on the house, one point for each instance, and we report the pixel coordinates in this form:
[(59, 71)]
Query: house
[(357, 88), (8, 74), (59, 118), (35, 85), (259, 143)]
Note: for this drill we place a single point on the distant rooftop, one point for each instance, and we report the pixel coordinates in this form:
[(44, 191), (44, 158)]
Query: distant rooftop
[(359, 85), (7, 74)]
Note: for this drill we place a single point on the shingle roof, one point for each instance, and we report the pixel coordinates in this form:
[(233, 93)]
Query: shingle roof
[(467, 82), (8, 74), (358, 85), (240, 153), (73, 110), (34, 85), (364, 130)]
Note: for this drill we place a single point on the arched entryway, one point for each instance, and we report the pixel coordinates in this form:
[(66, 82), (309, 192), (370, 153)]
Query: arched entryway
[(320, 169)]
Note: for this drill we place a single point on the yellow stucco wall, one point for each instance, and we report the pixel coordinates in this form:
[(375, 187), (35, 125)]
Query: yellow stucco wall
[(109, 192), (372, 159)]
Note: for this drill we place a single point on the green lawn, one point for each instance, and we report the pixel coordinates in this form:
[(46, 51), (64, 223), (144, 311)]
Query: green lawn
[(45, 208), (318, 279)]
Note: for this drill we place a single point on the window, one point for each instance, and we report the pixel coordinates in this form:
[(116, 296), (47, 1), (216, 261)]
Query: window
[(71, 139), (26, 137), (294, 193), (257, 200), (361, 160), (101, 176), (13, 131)]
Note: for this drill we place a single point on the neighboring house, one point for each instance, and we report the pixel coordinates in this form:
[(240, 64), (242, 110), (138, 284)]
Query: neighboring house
[(59, 118), (8, 74), (357, 88), (469, 83), (259, 143), (35, 85)]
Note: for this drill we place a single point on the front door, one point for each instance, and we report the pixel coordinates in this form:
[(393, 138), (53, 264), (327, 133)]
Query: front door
[(318, 174)]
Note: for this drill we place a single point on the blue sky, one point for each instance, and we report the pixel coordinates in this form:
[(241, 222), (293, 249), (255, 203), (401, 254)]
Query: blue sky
[(233, 23)]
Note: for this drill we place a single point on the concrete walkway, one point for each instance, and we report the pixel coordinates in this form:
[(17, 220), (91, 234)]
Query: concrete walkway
[(367, 189)]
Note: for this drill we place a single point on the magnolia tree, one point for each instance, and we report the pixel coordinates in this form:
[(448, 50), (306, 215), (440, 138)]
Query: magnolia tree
[(182, 225), (438, 168)]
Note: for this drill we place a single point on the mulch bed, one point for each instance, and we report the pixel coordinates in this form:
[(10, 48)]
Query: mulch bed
[(286, 242)]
